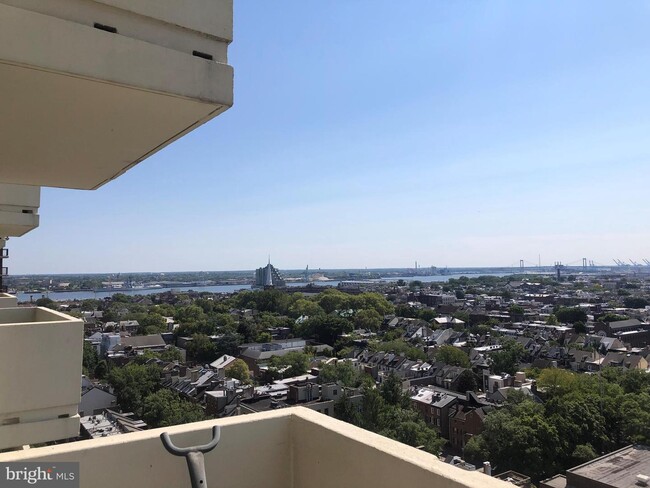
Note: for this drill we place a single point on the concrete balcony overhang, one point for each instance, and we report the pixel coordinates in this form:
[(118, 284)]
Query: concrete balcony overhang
[(91, 88), (40, 360), (291, 448), (18, 209)]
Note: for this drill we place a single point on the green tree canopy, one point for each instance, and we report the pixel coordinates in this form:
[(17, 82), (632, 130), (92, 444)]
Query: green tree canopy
[(452, 356), (636, 302), (331, 300), (164, 408), (570, 315), (201, 349), (368, 319), (90, 358), (133, 383), (298, 363), (240, 371), (507, 359), (342, 372)]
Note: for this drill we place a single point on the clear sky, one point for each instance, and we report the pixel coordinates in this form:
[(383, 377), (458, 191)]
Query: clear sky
[(373, 133)]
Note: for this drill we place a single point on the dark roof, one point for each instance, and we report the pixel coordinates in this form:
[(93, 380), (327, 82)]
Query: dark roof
[(622, 324), (154, 340)]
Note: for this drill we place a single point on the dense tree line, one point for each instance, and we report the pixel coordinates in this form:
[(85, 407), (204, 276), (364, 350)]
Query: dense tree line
[(582, 417), (138, 390), (385, 410)]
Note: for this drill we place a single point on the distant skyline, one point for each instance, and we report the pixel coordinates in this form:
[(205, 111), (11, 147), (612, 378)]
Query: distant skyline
[(374, 133)]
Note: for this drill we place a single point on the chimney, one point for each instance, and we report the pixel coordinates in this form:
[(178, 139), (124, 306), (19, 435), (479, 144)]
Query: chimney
[(194, 374), (487, 468)]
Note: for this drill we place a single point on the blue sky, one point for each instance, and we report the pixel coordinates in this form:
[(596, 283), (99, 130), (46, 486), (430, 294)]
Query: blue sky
[(374, 133)]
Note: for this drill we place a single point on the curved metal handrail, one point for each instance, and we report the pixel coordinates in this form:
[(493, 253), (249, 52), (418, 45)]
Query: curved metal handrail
[(194, 456)]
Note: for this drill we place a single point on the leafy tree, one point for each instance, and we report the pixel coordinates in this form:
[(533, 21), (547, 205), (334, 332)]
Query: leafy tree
[(275, 301), (583, 453), (264, 337), (372, 301), (476, 450), (90, 305), (452, 356), (164, 408), (331, 300), (298, 363), (612, 317), (228, 344), (406, 426), (580, 422), (326, 329), (570, 315), (170, 354), (223, 321), (342, 372), (133, 383), (47, 302), (372, 409), (634, 381), (90, 358), (101, 370), (516, 310), (580, 327), (507, 359), (305, 307), (635, 418), (556, 381), (519, 437), (467, 381), (367, 319), (391, 391), (426, 314), (636, 302), (247, 330), (240, 371), (398, 346), (407, 311), (201, 349), (344, 410), (152, 323), (552, 320), (415, 285)]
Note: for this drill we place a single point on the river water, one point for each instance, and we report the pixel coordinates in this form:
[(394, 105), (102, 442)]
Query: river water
[(83, 295)]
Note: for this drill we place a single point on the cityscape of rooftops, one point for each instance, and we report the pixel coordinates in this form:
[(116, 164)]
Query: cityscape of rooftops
[(358, 243)]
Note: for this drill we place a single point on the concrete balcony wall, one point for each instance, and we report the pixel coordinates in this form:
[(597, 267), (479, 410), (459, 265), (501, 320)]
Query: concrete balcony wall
[(93, 103), (290, 448), (7, 300), (40, 357)]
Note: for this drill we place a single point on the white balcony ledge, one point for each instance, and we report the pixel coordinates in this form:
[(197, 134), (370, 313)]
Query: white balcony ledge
[(290, 448), (40, 360)]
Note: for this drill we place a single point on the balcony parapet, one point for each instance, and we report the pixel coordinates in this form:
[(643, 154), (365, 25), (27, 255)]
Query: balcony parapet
[(7, 300), (293, 447), (40, 360)]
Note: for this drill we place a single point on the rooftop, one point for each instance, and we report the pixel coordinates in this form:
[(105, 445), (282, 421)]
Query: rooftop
[(618, 469)]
